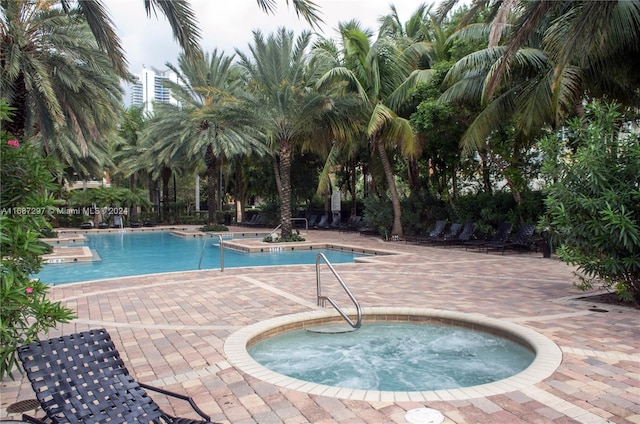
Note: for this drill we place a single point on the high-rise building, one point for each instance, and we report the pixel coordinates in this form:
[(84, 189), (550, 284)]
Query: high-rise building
[(150, 89)]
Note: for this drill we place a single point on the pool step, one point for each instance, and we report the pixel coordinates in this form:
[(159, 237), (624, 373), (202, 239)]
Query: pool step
[(332, 329)]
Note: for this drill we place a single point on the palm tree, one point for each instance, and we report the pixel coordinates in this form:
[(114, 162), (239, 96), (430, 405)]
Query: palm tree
[(541, 65), (55, 77), (291, 112), (382, 75), (210, 124), (179, 14)]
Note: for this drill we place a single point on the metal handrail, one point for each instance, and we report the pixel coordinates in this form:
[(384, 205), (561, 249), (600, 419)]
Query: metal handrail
[(204, 243), (322, 299)]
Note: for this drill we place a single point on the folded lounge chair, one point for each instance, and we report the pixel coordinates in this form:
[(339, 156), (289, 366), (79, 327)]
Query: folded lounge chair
[(80, 378)]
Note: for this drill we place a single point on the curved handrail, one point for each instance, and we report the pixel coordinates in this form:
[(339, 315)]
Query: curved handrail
[(322, 299), (204, 243)]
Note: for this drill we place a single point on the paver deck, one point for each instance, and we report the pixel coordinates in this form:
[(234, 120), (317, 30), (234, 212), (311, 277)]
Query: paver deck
[(171, 330)]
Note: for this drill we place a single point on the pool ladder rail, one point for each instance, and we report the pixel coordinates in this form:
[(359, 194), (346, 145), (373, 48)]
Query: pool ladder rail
[(322, 301)]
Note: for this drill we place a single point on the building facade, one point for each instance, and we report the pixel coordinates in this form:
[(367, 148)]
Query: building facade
[(150, 89)]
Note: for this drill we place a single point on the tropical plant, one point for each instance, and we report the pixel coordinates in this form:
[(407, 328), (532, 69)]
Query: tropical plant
[(210, 126), (290, 112), (56, 79), (27, 179), (177, 12), (595, 205), (382, 75)]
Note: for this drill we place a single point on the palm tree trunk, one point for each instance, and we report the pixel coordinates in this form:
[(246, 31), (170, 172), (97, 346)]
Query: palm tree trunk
[(285, 193), (166, 178), (396, 228), (352, 188), (210, 161), (17, 125)]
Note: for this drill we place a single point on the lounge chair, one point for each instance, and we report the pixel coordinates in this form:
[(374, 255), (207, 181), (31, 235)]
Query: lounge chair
[(353, 224), (452, 233), (312, 221), (251, 221), (521, 240), (86, 225), (501, 235), (335, 222), (323, 221), (80, 378), (465, 235), (437, 231)]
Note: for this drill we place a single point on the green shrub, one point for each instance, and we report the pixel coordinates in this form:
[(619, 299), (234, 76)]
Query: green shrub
[(596, 203), (378, 214), (26, 203), (214, 228), (293, 237)]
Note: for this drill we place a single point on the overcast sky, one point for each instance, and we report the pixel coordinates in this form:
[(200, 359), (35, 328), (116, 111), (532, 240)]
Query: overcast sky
[(228, 24)]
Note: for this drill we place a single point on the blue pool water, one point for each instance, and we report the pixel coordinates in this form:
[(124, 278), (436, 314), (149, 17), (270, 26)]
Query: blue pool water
[(126, 254), (394, 356)]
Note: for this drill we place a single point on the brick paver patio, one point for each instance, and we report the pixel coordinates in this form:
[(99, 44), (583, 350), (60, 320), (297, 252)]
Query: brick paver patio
[(171, 330)]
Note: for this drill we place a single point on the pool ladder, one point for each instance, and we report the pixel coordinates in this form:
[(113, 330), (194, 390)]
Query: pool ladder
[(322, 300)]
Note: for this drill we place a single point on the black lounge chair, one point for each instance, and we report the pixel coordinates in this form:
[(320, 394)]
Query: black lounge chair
[(353, 225), (521, 240), (323, 221), (251, 221), (436, 232), (80, 378), (465, 235), (450, 234), (501, 235), (335, 222)]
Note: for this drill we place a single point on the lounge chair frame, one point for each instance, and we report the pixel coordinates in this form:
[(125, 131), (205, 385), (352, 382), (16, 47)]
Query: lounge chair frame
[(80, 378)]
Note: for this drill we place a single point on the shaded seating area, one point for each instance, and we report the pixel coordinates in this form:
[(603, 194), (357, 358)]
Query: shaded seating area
[(520, 241), (80, 378)]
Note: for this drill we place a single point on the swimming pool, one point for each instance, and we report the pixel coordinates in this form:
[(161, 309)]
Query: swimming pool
[(127, 254)]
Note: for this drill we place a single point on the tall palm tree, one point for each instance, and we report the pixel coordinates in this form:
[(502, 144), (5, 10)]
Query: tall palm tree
[(382, 75), (54, 76), (290, 110), (211, 124), (179, 14)]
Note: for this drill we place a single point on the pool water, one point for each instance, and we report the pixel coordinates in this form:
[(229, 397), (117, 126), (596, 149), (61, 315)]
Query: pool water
[(394, 357), (127, 254)]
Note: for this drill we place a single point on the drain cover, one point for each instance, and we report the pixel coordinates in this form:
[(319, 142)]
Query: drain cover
[(23, 406), (424, 416)]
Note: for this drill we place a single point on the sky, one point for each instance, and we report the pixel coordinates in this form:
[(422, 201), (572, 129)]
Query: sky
[(228, 24)]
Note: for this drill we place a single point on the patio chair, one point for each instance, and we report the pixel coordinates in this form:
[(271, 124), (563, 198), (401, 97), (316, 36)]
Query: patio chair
[(436, 232), (465, 235), (521, 240), (323, 221), (80, 378), (501, 235), (353, 225), (450, 234)]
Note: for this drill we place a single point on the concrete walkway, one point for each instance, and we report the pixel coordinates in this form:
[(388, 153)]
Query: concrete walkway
[(171, 330)]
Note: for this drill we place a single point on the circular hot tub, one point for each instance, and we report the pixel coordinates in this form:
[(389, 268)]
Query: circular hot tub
[(449, 355)]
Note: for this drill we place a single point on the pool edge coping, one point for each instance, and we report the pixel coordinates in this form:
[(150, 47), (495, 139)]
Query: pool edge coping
[(548, 357)]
